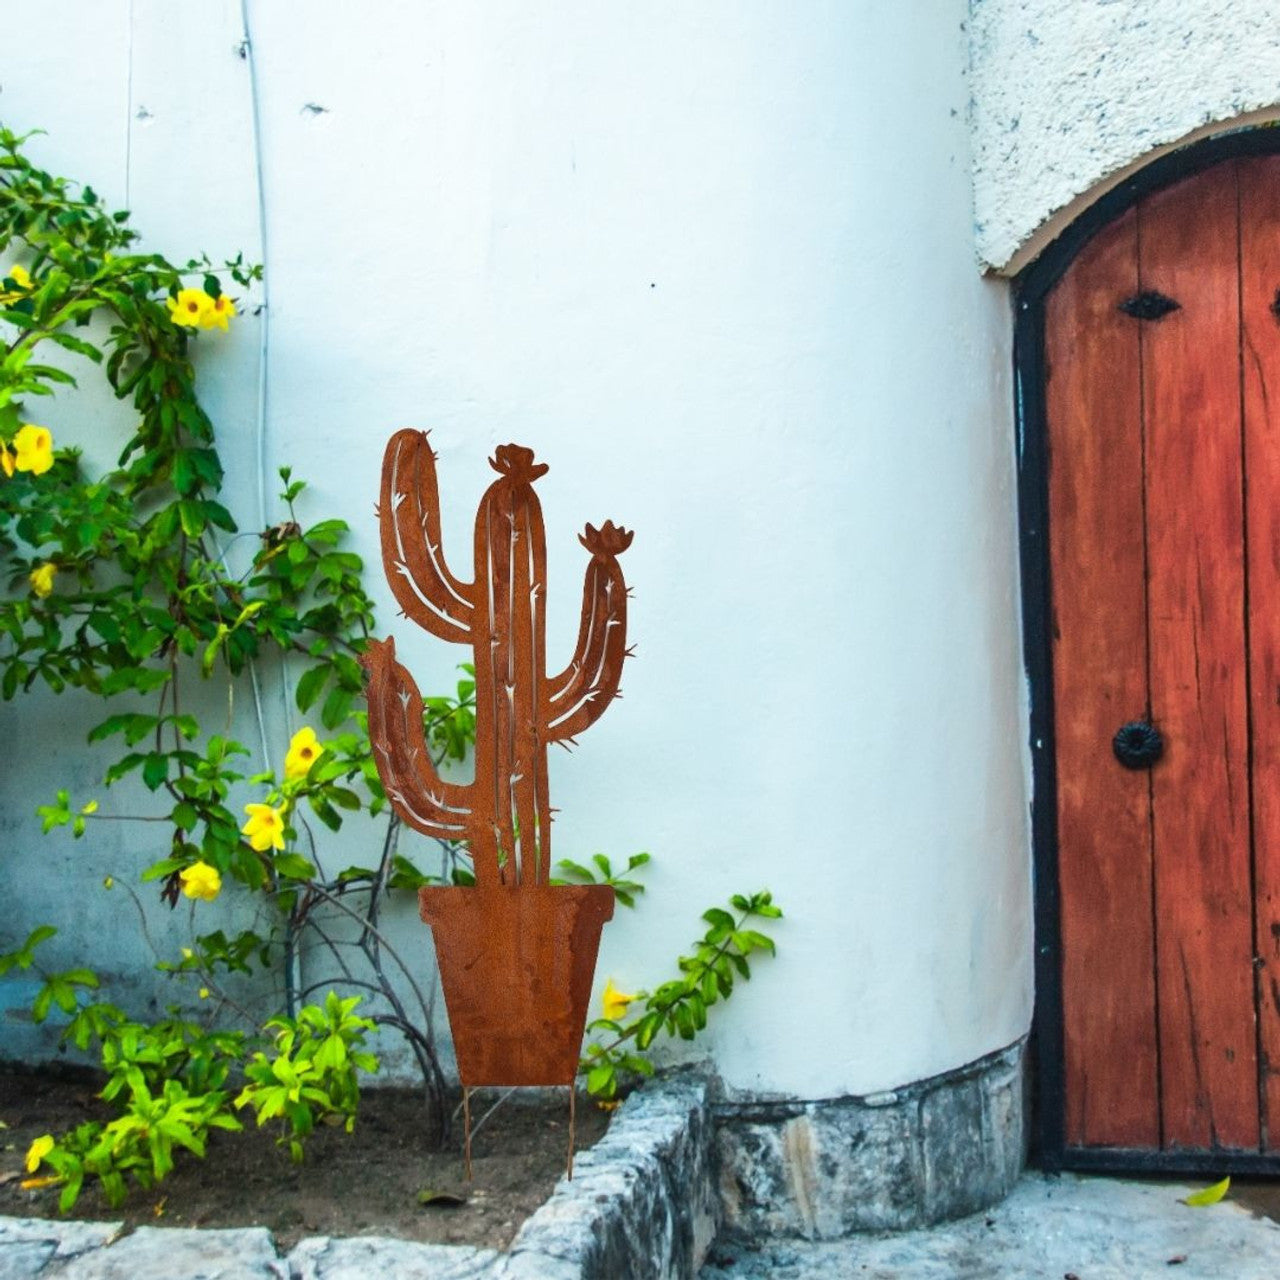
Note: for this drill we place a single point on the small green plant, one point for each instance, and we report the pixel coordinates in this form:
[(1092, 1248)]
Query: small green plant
[(169, 1081), (313, 1070), (616, 1051)]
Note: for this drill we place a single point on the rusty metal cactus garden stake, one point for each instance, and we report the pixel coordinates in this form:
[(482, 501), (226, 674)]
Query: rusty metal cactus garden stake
[(516, 953)]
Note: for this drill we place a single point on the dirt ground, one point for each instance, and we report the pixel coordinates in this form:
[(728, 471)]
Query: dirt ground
[(364, 1183)]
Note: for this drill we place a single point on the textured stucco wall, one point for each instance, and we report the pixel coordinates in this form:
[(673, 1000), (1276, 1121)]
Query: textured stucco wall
[(1068, 97), (715, 263)]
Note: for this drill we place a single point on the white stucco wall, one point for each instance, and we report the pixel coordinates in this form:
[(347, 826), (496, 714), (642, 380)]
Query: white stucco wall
[(715, 264), (1069, 97)]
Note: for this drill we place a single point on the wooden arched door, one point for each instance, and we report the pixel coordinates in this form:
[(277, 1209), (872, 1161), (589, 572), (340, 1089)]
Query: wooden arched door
[(1160, 401)]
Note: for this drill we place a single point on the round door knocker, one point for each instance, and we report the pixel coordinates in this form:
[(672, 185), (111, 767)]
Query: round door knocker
[(1138, 745)]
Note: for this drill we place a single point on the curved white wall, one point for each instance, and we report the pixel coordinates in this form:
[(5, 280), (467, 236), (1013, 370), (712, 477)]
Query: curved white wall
[(1068, 98), (715, 264)]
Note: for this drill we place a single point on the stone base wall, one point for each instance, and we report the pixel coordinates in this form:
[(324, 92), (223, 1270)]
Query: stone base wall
[(643, 1202), (938, 1149)]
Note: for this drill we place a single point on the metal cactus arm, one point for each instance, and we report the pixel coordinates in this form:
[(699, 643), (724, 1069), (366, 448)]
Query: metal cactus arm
[(409, 517), (578, 696), (413, 787)]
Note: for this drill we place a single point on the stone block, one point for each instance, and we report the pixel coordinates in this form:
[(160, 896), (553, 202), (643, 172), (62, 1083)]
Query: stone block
[(27, 1245), (362, 1257), (937, 1149), (170, 1253), (640, 1204)]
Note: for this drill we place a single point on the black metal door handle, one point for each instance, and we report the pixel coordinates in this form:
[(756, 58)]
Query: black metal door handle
[(1137, 745)]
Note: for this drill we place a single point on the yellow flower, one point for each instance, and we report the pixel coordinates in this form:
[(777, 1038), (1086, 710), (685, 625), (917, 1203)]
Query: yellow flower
[(304, 749), (220, 310), (190, 308), (18, 274), (265, 828), (200, 880), (615, 1002), (41, 578), (187, 953), (33, 447), (37, 1152), (204, 993), (6, 459)]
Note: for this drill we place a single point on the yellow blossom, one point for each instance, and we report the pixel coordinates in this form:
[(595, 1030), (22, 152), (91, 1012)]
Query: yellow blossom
[(18, 274), (304, 749), (190, 308), (41, 578), (33, 449), (6, 459), (204, 993), (108, 882), (200, 880), (615, 1002), (37, 1152), (187, 953), (265, 828), (219, 312)]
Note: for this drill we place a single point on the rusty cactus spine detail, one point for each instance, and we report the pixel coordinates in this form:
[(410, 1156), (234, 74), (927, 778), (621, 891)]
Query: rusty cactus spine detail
[(505, 814)]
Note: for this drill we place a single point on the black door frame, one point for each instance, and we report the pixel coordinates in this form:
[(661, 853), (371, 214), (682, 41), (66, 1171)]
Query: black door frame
[(1031, 286)]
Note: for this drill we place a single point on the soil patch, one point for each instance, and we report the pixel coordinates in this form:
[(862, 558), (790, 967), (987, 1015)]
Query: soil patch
[(363, 1183)]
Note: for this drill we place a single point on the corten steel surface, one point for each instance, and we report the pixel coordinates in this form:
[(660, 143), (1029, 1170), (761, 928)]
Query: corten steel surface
[(531, 951), (516, 953)]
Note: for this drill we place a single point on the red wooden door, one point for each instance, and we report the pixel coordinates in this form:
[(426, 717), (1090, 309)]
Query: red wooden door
[(1162, 399)]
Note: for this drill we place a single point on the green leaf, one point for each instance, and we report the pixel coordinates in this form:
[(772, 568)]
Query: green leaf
[(294, 866), (685, 1022), (42, 933), (166, 867), (325, 812), (337, 706), (647, 1028), (1210, 1195), (601, 1080), (82, 977), (155, 769)]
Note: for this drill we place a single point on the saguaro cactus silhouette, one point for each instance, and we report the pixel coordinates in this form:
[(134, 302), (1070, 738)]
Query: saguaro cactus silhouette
[(504, 816)]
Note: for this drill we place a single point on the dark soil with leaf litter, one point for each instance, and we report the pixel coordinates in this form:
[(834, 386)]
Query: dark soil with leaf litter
[(368, 1182)]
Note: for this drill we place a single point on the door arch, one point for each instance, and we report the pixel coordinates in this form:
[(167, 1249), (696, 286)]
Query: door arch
[(1148, 365)]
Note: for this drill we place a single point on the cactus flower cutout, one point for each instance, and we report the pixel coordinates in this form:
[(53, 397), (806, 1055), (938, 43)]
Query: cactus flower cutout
[(504, 816)]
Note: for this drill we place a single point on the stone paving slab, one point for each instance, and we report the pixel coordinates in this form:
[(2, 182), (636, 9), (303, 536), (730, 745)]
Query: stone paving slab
[(1048, 1229), (165, 1253), (27, 1245), (370, 1257)]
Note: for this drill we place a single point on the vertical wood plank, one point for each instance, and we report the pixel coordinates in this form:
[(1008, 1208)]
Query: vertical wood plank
[(1093, 400), (1260, 383), (1188, 250)]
